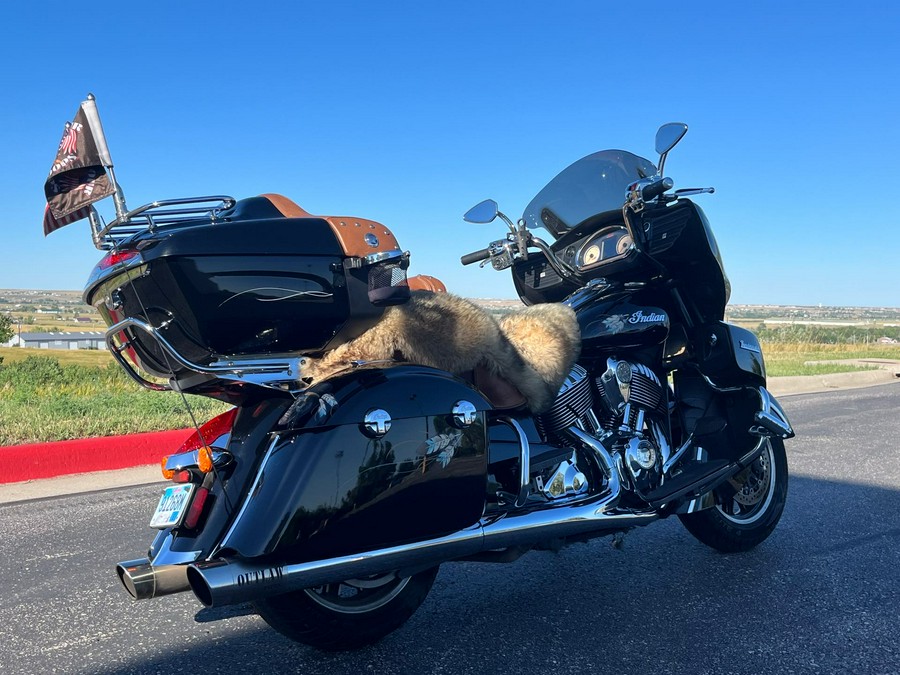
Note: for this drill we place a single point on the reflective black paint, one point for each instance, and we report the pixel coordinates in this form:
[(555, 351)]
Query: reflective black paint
[(608, 321), (331, 489)]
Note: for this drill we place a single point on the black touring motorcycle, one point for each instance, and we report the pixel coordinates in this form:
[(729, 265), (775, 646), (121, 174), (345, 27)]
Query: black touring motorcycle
[(330, 506)]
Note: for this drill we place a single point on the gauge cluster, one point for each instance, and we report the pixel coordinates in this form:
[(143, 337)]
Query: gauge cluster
[(608, 244)]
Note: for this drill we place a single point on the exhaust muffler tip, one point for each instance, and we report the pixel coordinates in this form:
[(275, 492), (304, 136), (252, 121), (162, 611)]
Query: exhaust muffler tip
[(143, 581)]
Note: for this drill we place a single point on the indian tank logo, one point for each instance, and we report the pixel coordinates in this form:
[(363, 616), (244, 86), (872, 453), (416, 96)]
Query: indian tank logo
[(652, 317)]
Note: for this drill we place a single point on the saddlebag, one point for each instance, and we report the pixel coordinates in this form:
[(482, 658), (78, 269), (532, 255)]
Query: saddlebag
[(373, 458)]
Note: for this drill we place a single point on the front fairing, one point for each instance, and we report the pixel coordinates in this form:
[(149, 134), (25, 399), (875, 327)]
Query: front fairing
[(593, 185)]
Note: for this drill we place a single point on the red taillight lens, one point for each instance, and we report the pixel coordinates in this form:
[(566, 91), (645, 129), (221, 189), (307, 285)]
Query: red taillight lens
[(117, 258), (217, 427), (196, 509)]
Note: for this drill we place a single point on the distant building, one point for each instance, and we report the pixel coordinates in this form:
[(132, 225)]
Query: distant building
[(76, 340)]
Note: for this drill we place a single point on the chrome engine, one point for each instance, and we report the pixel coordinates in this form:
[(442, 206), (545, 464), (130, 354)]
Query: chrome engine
[(619, 415)]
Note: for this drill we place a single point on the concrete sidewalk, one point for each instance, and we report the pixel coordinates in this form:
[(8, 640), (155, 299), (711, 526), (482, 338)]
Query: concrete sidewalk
[(888, 371)]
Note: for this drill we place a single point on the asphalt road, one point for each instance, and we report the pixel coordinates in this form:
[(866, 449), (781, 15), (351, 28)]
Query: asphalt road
[(820, 596)]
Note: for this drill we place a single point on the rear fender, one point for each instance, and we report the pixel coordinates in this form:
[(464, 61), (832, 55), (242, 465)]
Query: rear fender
[(331, 485)]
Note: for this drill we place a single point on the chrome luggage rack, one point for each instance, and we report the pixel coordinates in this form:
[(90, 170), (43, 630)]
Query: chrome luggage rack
[(275, 371), (184, 211)]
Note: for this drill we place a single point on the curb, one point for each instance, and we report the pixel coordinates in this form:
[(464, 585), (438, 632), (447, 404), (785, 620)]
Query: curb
[(790, 385), (36, 461), (60, 458)]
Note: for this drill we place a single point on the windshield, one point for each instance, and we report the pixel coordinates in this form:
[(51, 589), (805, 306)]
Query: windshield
[(594, 184)]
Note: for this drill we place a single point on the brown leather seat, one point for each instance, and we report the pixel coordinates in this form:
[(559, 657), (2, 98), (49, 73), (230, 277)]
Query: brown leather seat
[(501, 393)]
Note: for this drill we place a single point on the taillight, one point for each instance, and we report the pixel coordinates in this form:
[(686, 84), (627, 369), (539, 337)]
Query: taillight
[(213, 430), (196, 509), (117, 258)]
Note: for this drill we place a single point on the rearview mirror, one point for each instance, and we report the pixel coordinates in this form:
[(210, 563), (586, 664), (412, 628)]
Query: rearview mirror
[(668, 135), (483, 212)]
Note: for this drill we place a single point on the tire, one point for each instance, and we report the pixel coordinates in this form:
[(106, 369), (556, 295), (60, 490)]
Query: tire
[(748, 507), (348, 615)]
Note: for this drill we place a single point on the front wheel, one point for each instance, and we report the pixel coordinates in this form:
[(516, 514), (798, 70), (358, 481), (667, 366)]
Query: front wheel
[(748, 506), (350, 614)]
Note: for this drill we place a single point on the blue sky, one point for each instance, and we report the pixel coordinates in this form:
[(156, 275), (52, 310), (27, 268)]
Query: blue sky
[(409, 113)]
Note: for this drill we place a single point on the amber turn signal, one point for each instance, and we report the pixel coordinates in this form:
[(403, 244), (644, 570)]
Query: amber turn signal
[(205, 459), (168, 474)]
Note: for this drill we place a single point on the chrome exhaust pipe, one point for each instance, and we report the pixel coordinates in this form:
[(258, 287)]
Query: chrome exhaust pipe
[(224, 582), (143, 581)]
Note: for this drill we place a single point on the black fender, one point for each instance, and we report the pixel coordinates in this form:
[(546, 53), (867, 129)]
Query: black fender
[(330, 484)]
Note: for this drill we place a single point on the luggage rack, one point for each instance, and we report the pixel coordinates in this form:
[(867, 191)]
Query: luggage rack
[(274, 372), (184, 211)]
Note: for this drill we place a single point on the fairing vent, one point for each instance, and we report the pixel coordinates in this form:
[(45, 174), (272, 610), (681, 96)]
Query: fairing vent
[(665, 227)]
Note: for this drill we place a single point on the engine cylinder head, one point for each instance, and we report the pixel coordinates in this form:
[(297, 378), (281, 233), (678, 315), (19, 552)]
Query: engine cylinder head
[(572, 402)]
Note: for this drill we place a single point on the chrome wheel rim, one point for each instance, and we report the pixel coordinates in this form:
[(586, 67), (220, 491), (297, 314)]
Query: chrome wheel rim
[(754, 488), (358, 596)]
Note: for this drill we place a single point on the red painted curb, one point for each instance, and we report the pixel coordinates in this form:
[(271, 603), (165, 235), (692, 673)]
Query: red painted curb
[(59, 458)]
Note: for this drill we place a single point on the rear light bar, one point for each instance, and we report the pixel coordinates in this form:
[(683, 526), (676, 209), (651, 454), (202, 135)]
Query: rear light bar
[(196, 452)]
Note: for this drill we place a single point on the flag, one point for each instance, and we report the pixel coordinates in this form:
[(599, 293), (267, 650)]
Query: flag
[(78, 177)]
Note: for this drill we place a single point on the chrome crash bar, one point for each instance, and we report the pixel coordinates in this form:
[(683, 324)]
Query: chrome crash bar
[(273, 372)]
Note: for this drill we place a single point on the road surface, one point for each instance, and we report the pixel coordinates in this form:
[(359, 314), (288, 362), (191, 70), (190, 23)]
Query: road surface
[(820, 596)]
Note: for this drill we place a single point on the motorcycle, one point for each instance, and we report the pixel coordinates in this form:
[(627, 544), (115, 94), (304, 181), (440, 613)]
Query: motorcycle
[(329, 504)]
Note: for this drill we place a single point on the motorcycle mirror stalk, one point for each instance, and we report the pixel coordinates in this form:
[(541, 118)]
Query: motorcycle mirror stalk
[(487, 211)]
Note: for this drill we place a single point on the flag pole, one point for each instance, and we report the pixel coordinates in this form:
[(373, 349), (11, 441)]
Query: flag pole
[(93, 117)]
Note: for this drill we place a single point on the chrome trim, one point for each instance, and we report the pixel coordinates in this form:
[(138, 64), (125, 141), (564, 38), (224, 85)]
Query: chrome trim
[(524, 459), (383, 256), (260, 473), (377, 423), (166, 556), (98, 275), (701, 503), (771, 420), (272, 372), (566, 481), (463, 414), (678, 454), (144, 581), (228, 581), (190, 460), (188, 211)]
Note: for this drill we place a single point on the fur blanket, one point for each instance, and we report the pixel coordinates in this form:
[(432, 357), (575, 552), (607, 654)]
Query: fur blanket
[(533, 348)]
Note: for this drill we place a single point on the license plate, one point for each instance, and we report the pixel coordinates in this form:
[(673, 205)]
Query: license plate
[(172, 506)]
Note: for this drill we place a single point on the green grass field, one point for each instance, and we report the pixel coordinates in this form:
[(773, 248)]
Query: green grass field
[(786, 358), (57, 395), (83, 394)]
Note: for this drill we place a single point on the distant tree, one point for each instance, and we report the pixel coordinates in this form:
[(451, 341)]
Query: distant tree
[(6, 328)]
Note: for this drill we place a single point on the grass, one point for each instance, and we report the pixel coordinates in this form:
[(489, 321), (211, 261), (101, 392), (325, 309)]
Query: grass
[(790, 358), (82, 357), (45, 399), (57, 395)]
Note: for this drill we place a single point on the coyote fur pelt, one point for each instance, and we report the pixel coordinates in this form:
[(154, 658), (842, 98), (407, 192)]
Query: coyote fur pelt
[(533, 348)]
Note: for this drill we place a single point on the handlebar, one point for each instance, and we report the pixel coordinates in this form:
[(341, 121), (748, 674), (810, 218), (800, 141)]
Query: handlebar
[(475, 256), (654, 190)]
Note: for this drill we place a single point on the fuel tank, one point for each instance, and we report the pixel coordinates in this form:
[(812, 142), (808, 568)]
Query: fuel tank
[(612, 320)]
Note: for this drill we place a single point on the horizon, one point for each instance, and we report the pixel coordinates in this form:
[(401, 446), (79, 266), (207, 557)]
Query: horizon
[(501, 299)]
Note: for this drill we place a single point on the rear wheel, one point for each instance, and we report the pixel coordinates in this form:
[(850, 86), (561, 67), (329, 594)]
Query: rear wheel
[(748, 506), (350, 614)]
